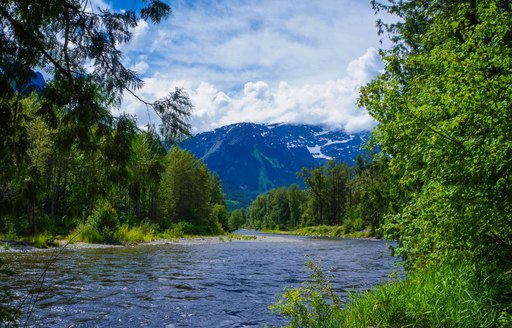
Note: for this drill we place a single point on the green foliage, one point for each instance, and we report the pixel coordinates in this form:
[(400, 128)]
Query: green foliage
[(189, 193), (179, 230), (88, 233), (127, 235), (442, 296), (219, 219), (444, 114), (63, 150), (446, 296), (43, 240), (104, 218), (100, 226), (355, 198), (314, 304), (236, 220), (321, 231), (234, 236)]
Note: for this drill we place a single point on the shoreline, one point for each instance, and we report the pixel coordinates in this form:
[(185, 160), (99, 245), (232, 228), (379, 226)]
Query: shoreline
[(270, 236), (16, 246)]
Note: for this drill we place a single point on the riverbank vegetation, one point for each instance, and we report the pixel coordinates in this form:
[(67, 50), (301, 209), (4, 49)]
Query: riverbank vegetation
[(338, 201), (443, 107), (449, 295), (69, 162)]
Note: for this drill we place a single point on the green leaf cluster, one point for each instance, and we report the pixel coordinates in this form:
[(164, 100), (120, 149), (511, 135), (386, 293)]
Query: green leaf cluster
[(443, 107)]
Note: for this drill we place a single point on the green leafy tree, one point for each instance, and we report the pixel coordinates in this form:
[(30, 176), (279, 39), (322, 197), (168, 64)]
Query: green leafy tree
[(443, 107), (236, 219), (62, 150), (147, 164), (257, 211), (315, 182), (186, 193), (371, 194), (337, 177), (219, 217), (296, 199)]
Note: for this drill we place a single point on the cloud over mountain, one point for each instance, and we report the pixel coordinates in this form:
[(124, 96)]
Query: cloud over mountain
[(264, 61), (331, 103)]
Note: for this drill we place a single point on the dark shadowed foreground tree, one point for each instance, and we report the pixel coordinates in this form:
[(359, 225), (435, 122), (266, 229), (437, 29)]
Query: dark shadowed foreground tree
[(61, 147), (77, 45), (444, 110)]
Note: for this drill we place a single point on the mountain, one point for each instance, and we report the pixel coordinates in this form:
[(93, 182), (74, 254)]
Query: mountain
[(253, 158)]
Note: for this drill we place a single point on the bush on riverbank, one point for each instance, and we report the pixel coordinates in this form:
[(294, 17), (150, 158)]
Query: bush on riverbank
[(144, 232), (442, 296)]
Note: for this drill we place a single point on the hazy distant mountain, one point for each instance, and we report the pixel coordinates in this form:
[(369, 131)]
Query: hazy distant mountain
[(253, 158)]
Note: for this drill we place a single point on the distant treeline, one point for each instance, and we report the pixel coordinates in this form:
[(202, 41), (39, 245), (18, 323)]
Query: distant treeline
[(355, 198)]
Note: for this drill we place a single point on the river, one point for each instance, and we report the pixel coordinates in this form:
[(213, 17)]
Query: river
[(225, 284)]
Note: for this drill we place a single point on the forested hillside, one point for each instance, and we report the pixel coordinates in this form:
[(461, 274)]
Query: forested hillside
[(252, 159)]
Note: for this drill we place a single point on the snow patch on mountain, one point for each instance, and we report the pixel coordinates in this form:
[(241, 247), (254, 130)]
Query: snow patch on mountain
[(316, 152)]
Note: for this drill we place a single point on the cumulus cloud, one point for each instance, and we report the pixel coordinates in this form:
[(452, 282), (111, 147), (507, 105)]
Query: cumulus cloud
[(267, 61), (230, 42), (331, 103), (140, 67)]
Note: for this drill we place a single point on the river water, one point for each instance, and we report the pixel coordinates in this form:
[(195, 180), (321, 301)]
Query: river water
[(228, 284)]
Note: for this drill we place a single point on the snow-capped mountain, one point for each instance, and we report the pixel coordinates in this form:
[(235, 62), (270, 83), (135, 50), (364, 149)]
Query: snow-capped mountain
[(253, 158)]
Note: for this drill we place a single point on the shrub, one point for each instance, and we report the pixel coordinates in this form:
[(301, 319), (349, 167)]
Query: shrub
[(179, 230), (104, 217), (131, 235), (314, 304), (41, 240), (87, 233), (100, 225)]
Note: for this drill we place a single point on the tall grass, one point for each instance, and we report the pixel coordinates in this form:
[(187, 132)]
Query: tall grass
[(447, 296), (131, 235), (88, 233), (332, 231), (444, 296)]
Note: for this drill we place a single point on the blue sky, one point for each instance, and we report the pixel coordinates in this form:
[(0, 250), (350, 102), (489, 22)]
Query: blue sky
[(263, 61)]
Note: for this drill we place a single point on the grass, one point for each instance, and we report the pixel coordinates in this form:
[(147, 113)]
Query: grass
[(235, 236), (88, 234), (447, 296), (144, 232), (124, 234), (442, 296), (42, 240)]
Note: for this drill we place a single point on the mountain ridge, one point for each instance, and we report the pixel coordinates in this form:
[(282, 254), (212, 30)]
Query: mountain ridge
[(252, 158)]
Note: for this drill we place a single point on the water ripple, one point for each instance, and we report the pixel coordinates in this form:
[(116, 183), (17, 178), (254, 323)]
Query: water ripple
[(211, 285)]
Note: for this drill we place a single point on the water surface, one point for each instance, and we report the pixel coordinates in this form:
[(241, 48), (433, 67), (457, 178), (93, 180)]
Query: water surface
[(226, 284)]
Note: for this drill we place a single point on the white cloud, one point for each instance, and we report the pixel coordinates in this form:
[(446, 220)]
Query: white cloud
[(331, 103), (266, 61), (230, 42), (140, 67)]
